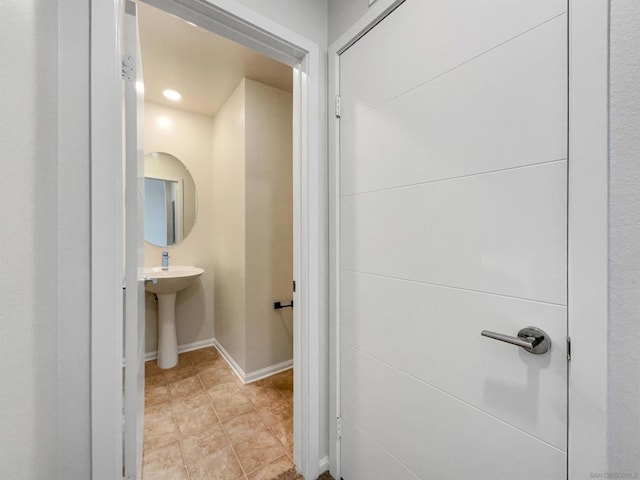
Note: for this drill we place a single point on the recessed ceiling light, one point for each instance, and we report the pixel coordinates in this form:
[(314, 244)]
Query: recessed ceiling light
[(172, 95)]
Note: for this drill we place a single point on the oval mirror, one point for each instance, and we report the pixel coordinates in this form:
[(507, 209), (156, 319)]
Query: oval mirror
[(169, 199)]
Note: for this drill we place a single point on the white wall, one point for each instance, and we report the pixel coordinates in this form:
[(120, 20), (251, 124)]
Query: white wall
[(305, 17), (624, 227), (228, 238), (29, 240), (342, 14), (186, 136), (269, 224), (74, 271)]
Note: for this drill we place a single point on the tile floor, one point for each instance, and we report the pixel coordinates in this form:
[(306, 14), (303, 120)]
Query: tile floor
[(201, 423)]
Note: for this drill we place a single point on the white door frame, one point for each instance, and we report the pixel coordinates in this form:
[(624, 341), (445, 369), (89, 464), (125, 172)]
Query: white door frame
[(243, 25), (587, 236)]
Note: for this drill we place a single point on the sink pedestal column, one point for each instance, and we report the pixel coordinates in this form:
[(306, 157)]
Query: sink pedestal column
[(167, 338)]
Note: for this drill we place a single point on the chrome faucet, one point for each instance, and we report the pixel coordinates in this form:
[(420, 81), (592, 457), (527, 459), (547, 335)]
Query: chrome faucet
[(165, 260)]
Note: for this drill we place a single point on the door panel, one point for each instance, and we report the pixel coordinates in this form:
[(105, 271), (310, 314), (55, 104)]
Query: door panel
[(445, 349), (416, 137), (451, 32), (431, 433), (453, 219), (502, 233), (369, 459)]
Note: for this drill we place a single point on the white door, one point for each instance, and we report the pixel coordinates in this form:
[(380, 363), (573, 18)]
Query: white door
[(453, 205), (134, 249)]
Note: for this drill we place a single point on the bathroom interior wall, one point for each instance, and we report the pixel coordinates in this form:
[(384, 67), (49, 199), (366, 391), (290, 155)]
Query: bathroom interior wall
[(186, 136), (253, 225), (312, 20), (228, 226), (269, 224)]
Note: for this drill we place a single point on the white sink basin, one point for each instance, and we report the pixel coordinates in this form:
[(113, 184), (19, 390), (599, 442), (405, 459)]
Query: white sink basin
[(167, 284), (177, 278)]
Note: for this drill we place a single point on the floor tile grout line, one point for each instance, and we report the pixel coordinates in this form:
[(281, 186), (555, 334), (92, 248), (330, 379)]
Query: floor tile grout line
[(268, 427), (235, 454), (267, 464), (175, 419), (175, 423), (173, 402), (286, 450), (283, 395)]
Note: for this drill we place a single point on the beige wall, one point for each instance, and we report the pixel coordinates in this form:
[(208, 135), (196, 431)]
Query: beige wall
[(253, 231), (269, 224), (228, 232), (186, 136)]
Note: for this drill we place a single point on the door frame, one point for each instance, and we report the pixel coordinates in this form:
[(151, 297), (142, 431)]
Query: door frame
[(243, 25), (587, 230)]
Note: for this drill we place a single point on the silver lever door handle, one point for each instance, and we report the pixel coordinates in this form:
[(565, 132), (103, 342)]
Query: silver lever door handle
[(532, 339)]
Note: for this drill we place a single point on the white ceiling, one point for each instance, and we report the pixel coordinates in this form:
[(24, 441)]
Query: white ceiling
[(204, 67)]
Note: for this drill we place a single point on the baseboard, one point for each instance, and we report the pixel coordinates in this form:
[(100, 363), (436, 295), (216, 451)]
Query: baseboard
[(268, 371), (324, 465), (240, 373), (187, 347), (251, 377), (230, 361)]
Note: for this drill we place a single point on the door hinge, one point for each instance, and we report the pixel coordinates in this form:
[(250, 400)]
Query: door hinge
[(294, 286), (339, 427), (124, 283), (338, 106), (568, 348), (128, 67)]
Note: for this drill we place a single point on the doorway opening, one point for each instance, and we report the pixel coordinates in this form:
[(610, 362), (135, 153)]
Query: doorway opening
[(218, 130), (234, 22)]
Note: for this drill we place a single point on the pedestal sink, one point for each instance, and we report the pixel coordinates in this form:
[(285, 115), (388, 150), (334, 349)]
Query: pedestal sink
[(166, 285)]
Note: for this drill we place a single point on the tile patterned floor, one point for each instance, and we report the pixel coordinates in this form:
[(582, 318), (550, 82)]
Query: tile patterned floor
[(201, 423)]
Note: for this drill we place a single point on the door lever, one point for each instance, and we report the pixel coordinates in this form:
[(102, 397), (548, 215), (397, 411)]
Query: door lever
[(532, 339)]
